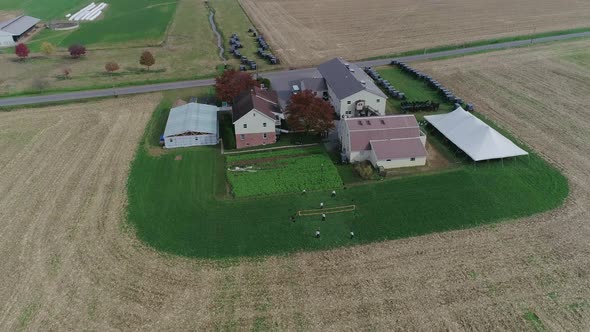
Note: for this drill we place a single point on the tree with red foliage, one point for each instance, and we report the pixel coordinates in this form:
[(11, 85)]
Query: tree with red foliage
[(22, 51), (111, 67), (77, 50), (309, 113), (231, 83)]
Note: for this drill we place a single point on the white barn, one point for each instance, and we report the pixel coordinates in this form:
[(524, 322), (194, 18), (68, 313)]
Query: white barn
[(191, 125), (14, 29), (351, 91)]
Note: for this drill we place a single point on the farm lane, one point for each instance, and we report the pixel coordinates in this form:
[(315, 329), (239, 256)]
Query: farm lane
[(283, 77)]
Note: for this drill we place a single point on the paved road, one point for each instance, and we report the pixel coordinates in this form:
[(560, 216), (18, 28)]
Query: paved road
[(279, 76)]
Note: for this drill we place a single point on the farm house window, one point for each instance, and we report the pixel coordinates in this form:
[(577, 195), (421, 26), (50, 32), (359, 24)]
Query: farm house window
[(388, 160), (378, 100), (412, 159), (171, 140), (264, 124), (245, 125), (242, 137), (264, 136), (349, 102), (196, 138)]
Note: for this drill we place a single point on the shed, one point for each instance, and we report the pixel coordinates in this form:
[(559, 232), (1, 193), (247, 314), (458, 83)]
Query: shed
[(191, 125), (14, 29)]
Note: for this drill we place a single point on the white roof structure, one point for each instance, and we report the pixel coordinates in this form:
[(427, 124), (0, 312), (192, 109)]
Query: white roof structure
[(192, 119), (478, 140)]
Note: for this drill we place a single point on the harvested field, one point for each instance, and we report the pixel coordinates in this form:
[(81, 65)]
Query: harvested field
[(72, 267), (307, 32)]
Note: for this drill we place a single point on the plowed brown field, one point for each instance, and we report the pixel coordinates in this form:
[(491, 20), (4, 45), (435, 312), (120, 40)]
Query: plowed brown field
[(68, 263), (306, 32)]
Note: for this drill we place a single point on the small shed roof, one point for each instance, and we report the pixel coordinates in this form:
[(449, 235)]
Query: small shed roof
[(18, 25), (346, 79), (192, 118), (398, 148), (477, 139)]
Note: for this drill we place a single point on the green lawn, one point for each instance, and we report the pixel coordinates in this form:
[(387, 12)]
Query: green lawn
[(415, 90), (142, 21), (172, 204), (281, 171)]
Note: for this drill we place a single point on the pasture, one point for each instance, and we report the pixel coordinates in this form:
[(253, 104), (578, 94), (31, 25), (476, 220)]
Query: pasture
[(307, 32), (415, 90)]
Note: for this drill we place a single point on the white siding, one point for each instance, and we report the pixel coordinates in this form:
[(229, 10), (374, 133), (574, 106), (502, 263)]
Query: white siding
[(334, 100), (6, 40), (254, 121), (396, 163), (193, 140), (369, 98)]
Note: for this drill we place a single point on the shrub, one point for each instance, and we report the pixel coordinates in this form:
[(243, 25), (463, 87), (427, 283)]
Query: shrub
[(364, 169), (77, 50)]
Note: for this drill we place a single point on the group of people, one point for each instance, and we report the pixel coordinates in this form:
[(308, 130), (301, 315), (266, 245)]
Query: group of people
[(317, 232)]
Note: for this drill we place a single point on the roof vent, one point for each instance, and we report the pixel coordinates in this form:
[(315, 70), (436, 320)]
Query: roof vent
[(363, 83), (351, 70), (382, 121), (369, 122)]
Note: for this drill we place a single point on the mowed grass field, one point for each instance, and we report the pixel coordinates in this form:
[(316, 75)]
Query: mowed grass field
[(308, 31), (173, 205), (137, 21)]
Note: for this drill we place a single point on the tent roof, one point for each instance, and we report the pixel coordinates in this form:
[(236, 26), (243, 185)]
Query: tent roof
[(477, 139), (192, 117)]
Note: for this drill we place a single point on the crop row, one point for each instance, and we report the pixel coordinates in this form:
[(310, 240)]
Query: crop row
[(311, 172), (270, 154)]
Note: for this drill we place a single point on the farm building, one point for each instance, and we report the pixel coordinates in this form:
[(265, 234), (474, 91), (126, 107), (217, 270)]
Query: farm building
[(473, 136), (256, 114), (386, 141), (11, 31), (190, 125), (351, 91), (315, 84)]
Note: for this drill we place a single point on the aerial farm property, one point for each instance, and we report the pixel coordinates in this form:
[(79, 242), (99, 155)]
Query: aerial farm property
[(272, 165)]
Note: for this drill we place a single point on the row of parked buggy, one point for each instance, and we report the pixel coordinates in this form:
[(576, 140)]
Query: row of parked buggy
[(263, 50), (446, 93), (419, 106), (385, 84)]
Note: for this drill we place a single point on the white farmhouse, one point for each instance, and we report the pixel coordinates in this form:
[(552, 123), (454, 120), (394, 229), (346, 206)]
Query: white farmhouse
[(256, 114), (190, 125), (386, 141), (351, 91)]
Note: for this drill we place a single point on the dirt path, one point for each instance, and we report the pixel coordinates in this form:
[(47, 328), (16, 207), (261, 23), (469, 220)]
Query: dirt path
[(68, 264)]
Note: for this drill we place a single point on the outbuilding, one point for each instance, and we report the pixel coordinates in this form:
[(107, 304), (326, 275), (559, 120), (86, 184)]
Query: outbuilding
[(11, 31), (390, 141), (191, 125)]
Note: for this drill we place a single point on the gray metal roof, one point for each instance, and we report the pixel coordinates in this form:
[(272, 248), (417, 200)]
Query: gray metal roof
[(346, 81), (310, 83), (192, 118), (18, 25)]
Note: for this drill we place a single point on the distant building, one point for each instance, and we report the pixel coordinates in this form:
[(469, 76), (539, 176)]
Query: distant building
[(191, 124), (350, 90), (386, 141), (256, 114), (11, 31)]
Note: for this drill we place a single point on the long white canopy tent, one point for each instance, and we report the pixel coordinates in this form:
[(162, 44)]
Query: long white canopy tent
[(477, 139)]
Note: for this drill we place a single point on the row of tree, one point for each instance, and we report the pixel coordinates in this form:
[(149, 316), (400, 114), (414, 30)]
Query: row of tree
[(78, 50), (305, 111)]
